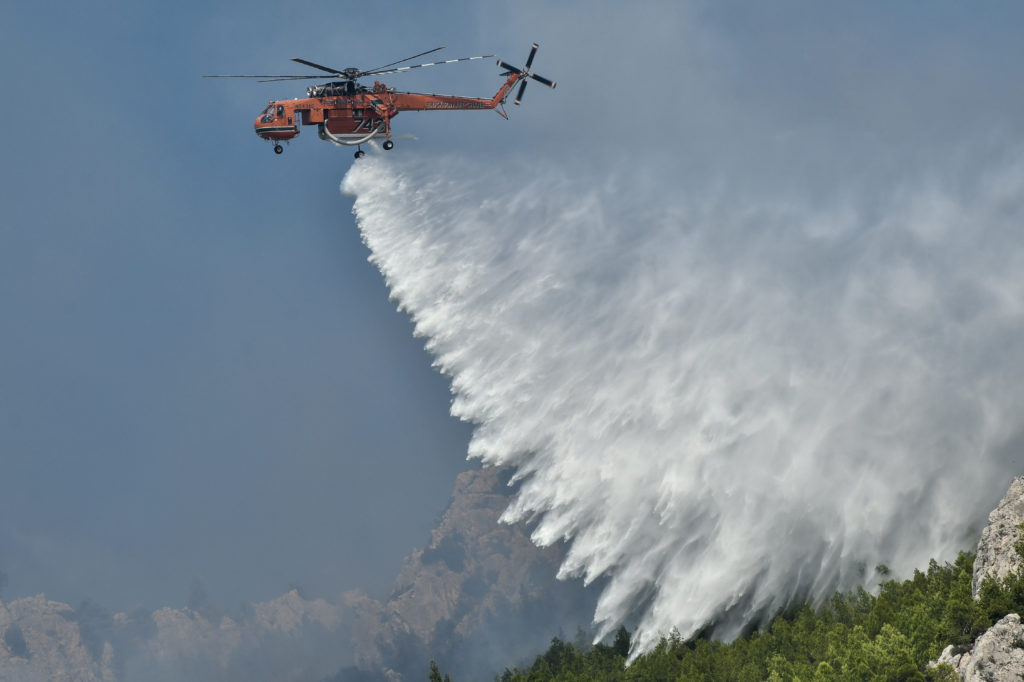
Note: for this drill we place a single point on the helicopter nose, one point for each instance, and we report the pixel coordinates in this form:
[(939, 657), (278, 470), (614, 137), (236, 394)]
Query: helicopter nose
[(274, 130), (263, 124)]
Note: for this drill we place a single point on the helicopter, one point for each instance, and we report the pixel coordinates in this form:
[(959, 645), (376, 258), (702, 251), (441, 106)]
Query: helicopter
[(347, 113)]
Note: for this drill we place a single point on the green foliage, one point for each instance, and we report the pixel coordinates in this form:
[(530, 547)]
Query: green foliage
[(859, 637), (1019, 545)]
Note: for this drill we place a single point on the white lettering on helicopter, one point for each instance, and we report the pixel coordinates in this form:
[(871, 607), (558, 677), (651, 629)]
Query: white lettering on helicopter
[(456, 105)]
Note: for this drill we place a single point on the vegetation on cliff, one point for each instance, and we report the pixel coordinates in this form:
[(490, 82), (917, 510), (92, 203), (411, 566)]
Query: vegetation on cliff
[(856, 636)]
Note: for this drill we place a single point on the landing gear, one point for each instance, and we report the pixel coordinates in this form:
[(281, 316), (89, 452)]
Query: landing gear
[(360, 154), (388, 144), (278, 149)]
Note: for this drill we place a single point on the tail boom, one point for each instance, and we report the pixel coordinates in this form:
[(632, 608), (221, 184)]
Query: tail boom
[(411, 101)]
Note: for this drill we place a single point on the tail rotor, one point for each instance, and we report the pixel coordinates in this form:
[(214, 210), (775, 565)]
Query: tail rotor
[(524, 74)]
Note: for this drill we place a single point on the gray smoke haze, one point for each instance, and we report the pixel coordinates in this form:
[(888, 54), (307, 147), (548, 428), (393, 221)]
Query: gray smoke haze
[(758, 283), (723, 404)]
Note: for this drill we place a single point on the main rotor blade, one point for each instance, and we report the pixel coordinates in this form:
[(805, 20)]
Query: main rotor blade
[(379, 68), (292, 78), (335, 72), (542, 79), (522, 89), (529, 60), (400, 69), (277, 76), (509, 67)]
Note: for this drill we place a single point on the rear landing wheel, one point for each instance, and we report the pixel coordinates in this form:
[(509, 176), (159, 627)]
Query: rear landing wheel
[(360, 154), (388, 144), (278, 149)]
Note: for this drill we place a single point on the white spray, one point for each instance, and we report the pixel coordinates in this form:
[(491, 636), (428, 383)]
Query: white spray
[(723, 407)]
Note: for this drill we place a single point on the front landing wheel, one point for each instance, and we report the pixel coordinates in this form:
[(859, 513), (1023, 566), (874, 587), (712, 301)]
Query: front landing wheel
[(360, 154), (388, 144), (278, 149)]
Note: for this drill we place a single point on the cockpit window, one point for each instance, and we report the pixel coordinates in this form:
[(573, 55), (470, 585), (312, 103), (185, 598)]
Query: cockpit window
[(270, 107), (280, 110)]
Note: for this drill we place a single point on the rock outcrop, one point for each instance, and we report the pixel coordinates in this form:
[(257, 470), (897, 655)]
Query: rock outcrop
[(39, 640), (997, 656), (996, 555)]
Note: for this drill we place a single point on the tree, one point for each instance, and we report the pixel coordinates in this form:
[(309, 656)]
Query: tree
[(435, 674), (622, 642), (943, 672)]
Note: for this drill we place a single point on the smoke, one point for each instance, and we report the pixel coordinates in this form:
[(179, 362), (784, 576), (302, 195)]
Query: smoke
[(722, 403)]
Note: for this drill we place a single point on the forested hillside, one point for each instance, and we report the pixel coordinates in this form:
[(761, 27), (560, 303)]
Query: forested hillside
[(856, 637)]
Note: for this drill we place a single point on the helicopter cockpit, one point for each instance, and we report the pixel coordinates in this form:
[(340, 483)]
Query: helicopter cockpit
[(269, 114)]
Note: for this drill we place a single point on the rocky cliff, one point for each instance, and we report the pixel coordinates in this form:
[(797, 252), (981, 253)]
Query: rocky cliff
[(997, 655), (996, 555), (479, 597)]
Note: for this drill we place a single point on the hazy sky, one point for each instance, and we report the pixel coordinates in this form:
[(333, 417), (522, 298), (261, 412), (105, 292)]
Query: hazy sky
[(200, 373)]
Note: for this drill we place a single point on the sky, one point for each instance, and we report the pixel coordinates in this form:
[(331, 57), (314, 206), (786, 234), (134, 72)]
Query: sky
[(201, 374)]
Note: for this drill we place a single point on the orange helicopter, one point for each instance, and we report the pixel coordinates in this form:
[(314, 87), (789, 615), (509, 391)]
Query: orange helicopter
[(349, 114)]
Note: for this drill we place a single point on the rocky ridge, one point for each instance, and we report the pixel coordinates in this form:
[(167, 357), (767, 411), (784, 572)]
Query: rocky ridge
[(47, 640), (480, 595)]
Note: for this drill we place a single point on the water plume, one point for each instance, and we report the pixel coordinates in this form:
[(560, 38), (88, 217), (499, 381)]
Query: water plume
[(722, 404)]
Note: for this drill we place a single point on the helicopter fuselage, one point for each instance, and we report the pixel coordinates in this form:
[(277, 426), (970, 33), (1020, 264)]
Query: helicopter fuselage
[(353, 115)]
